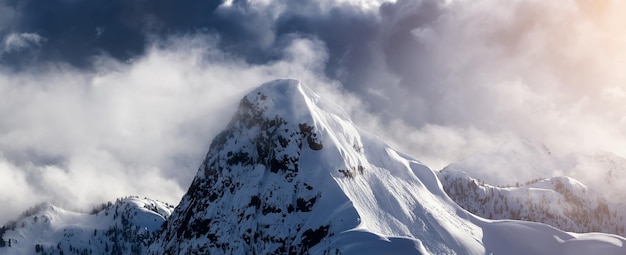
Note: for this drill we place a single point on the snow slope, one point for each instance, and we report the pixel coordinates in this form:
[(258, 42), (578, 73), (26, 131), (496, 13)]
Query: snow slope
[(124, 227), (292, 174)]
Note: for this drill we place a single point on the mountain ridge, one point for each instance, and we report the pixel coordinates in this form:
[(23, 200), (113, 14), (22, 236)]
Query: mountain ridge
[(123, 227), (521, 160), (561, 202), (483, 184)]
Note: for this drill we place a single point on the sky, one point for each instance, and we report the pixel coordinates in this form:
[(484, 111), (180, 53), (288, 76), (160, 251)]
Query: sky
[(102, 99)]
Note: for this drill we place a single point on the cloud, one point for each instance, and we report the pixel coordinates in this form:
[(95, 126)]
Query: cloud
[(134, 90), (79, 138), (16, 42), (18, 194)]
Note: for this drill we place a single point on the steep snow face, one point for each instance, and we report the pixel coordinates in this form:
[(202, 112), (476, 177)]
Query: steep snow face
[(292, 174), (124, 227)]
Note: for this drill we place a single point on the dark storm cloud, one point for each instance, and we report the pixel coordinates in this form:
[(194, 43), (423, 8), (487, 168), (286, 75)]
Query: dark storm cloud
[(348, 35), (359, 52), (76, 31)]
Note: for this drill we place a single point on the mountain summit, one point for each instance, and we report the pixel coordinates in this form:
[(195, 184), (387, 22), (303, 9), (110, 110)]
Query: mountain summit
[(292, 174)]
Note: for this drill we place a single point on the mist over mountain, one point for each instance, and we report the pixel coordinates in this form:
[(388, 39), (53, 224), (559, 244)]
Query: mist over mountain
[(519, 161), (101, 99), (291, 173), (87, 86), (561, 202)]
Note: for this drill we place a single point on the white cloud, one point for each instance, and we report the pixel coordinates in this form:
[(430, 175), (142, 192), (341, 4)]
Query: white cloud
[(442, 82), (538, 69), (15, 41), (17, 193), (137, 128)]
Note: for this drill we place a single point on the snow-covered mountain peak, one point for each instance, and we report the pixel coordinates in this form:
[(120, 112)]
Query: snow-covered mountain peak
[(273, 164), (292, 100), (282, 115), (285, 98), (292, 174)]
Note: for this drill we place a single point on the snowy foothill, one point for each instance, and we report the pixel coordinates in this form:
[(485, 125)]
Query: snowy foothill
[(122, 226)]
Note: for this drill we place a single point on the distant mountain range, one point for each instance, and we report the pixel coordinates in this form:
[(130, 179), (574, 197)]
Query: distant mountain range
[(291, 174), (511, 182), (561, 202), (519, 161)]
